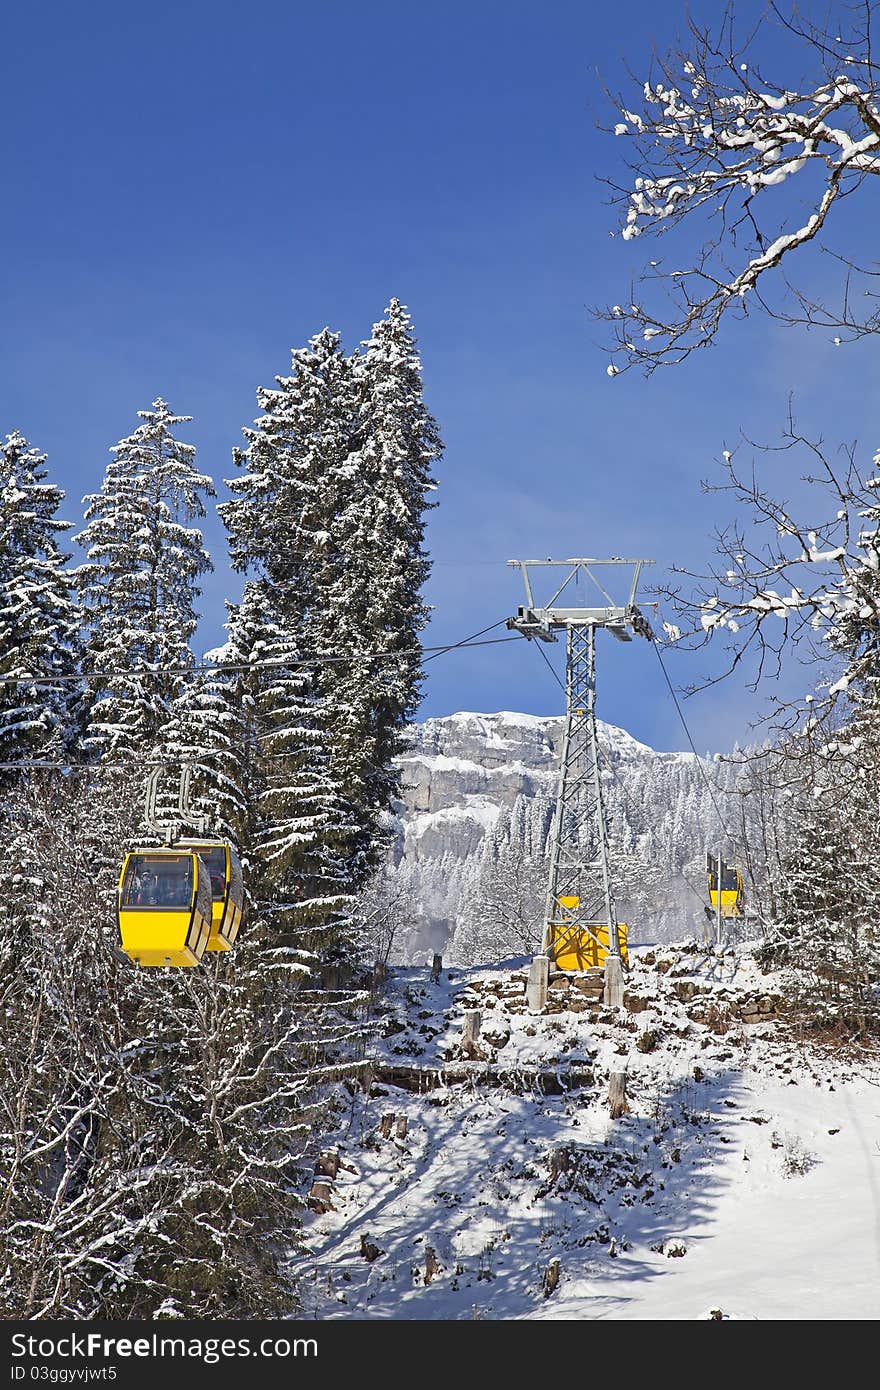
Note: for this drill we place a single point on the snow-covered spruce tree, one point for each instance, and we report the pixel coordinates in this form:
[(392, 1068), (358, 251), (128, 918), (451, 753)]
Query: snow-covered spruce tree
[(262, 773), (331, 510), (139, 583), (207, 733), (375, 600), (292, 485), (263, 765), (298, 832), (39, 623)]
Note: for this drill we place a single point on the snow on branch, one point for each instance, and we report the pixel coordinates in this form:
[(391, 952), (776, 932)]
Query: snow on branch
[(785, 584), (712, 142)]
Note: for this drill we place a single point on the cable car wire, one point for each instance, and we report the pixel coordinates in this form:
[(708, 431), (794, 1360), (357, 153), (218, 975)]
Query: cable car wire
[(224, 668), (709, 785), (170, 762)]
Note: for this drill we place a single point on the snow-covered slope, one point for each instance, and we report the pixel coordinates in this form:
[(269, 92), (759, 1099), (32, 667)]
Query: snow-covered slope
[(741, 1184)]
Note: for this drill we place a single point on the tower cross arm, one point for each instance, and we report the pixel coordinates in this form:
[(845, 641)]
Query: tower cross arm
[(573, 602)]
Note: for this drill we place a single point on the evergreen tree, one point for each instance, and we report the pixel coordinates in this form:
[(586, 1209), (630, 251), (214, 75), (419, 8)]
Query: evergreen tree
[(207, 732), (280, 522), (293, 479), (298, 828), (826, 936), (38, 617), (375, 596), (139, 584), (330, 511)]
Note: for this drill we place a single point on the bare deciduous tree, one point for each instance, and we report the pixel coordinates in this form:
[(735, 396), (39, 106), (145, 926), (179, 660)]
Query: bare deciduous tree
[(750, 166), (783, 582)]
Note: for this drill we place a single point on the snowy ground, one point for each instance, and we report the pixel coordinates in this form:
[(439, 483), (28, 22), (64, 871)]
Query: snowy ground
[(744, 1182)]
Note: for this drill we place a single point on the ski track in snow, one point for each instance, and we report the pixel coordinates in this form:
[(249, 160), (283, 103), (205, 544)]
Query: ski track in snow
[(746, 1178)]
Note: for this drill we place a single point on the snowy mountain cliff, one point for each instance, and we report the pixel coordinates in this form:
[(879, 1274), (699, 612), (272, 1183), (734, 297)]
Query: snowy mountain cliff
[(478, 790)]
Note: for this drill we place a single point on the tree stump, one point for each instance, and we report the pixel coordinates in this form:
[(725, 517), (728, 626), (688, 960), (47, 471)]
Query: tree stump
[(327, 1164), (551, 1278), (385, 1126), (617, 1094), (473, 1019), (436, 968), (319, 1197), (370, 1250), (401, 1127), (560, 1161), (432, 1264)]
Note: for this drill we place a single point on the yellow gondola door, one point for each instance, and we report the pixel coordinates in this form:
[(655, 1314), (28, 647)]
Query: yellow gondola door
[(227, 890)]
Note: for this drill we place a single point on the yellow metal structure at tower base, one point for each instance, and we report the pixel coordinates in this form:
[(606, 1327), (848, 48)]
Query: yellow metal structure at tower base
[(583, 945)]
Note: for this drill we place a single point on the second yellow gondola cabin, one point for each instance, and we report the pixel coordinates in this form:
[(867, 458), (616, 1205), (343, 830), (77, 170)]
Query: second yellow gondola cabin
[(732, 891), (227, 889), (164, 907)]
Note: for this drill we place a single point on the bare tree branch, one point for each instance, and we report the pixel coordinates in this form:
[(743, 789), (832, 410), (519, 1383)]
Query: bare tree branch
[(715, 145)]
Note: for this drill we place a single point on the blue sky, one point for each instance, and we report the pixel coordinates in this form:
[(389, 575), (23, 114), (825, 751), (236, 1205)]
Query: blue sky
[(193, 189)]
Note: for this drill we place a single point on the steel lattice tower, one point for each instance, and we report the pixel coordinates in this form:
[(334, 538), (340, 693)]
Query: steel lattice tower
[(580, 897)]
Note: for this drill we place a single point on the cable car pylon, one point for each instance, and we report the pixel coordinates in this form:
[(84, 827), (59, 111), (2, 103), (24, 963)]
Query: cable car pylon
[(580, 926)]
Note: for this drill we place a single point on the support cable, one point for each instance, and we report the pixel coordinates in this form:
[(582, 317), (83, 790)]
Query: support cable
[(228, 668), (99, 767), (709, 785)]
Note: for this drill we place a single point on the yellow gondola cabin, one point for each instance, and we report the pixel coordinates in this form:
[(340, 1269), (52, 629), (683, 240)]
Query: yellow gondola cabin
[(582, 946), (164, 906), (732, 892)]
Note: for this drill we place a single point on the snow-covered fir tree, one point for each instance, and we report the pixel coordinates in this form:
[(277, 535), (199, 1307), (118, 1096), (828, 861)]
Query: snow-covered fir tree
[(329, 508), (39, 623), (297, 832), (292, 476), (140, 581), (376, 599), (285, 499), (207, 733)]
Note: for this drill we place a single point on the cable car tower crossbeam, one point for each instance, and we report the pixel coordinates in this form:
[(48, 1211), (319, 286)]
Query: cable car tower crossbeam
[(580, 898)]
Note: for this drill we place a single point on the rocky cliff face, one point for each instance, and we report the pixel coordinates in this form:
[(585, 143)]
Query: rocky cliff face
[(463, 769)]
